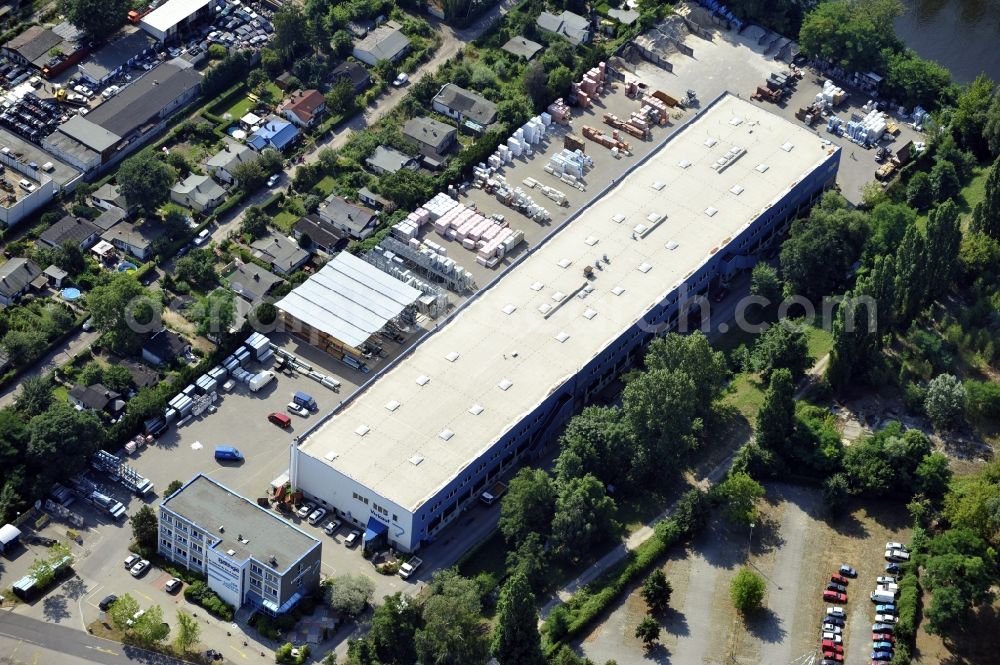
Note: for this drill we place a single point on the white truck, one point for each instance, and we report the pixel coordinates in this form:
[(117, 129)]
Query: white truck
[(493, 493), (260, 380), (880, 596), (410, 567)]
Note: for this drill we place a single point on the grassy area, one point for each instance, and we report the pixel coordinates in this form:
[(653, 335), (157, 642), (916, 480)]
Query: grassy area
[(820, 341), (326, 185), (971, 194), (237, 109), (745, 395), (284, 220), (60, 394)]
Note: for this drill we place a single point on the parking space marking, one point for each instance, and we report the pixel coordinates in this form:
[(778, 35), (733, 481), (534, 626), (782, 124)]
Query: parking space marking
[(144, 596), (238, 650), (89, 597)]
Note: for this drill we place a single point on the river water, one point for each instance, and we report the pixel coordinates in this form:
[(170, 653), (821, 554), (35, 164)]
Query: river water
[(962, 35)]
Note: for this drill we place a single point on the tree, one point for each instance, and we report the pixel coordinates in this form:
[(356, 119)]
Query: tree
[(122, 610), (406, 188), (349, 594), (214, 313), (991, 130), (254, 222), (821, 248), (597, 441), (25, 346), (291, 34), (536, 84), (851, 33), (61, 441), (453, 632), (117, 378), (341, 43), (694, 356), (145, 528), (393, 627), (173, 487), (944, 180), (933, 476), (661, 405), (648, 631), (528, 505), (150, 627), (250, 176), (915, 81), (982, 398), (740, 494), (35, 395), (584, 516), (92, 372), (531, 560), (145, 181), (188, 631), (764, 282), (747, 591), (920, 191), (656, 591), (515, 638), (197, 269), (986, 216), (44, 570), (782, 346), (947, 611), (888, 222), (972, 111), (945, 402), (912, 287), (559, 81), (97, 19), (124, 311), (341, 99), (944, 234), (270, 160), (776, 416)]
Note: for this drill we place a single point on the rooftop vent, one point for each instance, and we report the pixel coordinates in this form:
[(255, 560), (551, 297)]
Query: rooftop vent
[(654, 217), (671, 245), (391, 405), (544, 308), (422, 380), (659, 185), (736, 121), (537, 286), (709, 142), (505, 384), (645, 267), (736, 189), (445, 434), (618, 290), (787, 147), (230, 552), (618, 219), (273, 561), (565, 263), (684, 163), (222, 529), (589, 313), (476, 409), (330, 456), (710, 211), (558, 296), (762, 168), (416, 460), (509, 308), (362, 430), (562, 336), (452, 356), (590, 240)]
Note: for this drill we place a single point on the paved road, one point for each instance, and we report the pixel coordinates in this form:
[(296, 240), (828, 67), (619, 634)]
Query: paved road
[(56, 358), (33, 642)]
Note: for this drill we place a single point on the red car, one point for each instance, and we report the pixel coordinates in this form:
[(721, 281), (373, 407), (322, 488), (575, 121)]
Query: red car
[(828, 645), (838, 579), (883, 637), (833, 655), (834, 596)]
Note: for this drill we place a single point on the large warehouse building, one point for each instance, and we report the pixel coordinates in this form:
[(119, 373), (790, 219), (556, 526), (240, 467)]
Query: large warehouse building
[(482, 393)]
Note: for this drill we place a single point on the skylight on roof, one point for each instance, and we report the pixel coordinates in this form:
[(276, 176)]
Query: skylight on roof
[(710, 211), (505, 384), (562, 336), (589, 313), (536, 286), (416, 460), (618, 290), (544, 308), (422, 380), (330, 456), (654, 217), (618, 219), (558, 296), (761, 168), (736, 189), (565, 263), (709, 142), (452, 356), (361, 430), (645, 267), (684, 163), (736, 121), (509, 308), (640, 228), (590, 240), (446, 434), (787, 147), (659, 185), (476, 409), (391, 405), (672, 245)]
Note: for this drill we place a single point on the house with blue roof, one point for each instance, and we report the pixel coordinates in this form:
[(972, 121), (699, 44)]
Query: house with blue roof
[(274, 133)]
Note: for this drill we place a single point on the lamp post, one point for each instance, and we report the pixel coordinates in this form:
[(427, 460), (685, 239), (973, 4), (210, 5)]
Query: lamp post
[(750, 541)]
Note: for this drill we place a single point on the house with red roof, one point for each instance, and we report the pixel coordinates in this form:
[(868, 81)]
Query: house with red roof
[(304, 107)]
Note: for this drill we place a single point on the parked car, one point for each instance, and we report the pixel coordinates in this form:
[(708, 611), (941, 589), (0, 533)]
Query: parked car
[(896, 546), (881, 655), (831, 637), (828, 645), (352, 539), (883, 637), (882, 646), (847, 571), (832, 620), (832, 586), (228, 454), (895, 555), (883, 628), (401, 79), (317, 515), (107, 602), (833, 628), (332, 527), (131, 560), (885, 579), (885, 609), (892, 568), (297, 410), (305, 509), (886, 618), (173, 584), (834, 596), (836, 611), (832, 656), (280, 419), (839, 579), (138, 569), (273, 180)]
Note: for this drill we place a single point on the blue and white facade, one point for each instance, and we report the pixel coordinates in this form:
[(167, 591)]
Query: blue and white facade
[(489, 388)]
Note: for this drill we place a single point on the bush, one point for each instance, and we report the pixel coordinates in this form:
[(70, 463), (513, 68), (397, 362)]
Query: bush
[(283, 654), (266, 628), (909, 608), (200, 594)]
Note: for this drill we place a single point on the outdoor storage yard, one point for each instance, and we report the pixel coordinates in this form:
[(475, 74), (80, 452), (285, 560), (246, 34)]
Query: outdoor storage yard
[(797, 550)]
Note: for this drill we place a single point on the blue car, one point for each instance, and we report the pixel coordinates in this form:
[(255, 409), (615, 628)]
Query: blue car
[(836, 621), (228, 454), (885, 609), (892, 568), (881, 655), (882, 646), (883, 628)]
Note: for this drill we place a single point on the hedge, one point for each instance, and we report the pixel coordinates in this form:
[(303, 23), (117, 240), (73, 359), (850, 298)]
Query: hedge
[(200, 594), (909, 607)]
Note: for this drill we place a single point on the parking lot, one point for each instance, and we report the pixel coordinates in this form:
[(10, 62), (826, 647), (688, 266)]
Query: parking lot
[(796, 550)]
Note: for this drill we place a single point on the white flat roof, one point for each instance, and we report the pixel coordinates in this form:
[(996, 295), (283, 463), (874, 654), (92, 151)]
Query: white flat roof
[(474, 379), (349, 299), (172, 12)]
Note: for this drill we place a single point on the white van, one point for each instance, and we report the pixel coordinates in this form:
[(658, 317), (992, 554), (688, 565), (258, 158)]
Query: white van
[(202, 238), (25, 185)]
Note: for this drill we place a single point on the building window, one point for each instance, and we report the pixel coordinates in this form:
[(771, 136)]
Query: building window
[(254, 582), (395, 519)]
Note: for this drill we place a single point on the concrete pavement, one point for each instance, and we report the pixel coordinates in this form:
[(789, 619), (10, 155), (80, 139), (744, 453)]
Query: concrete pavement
[(56, 358)]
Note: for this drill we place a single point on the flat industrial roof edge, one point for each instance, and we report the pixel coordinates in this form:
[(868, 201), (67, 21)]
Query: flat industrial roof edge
[(335, 431)]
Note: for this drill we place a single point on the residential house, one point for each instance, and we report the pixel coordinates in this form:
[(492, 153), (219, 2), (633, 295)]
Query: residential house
[(370, 198), (284, 255), (304, 107), (74, 230), (142, 375), (389, 160), (356, 221), (355, 73), (135, 239), (464, 105), (97, 398), (386, 42), (111, 216), (253, 283), (433, 137), (164, 347), (522, 47), (198, 192), (575, 28), (322, 235), (274, 133), (108, 195), (16, 276), (222, 163)]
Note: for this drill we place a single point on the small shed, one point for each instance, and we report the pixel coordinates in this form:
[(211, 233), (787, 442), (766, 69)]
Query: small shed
[(9, 536)]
